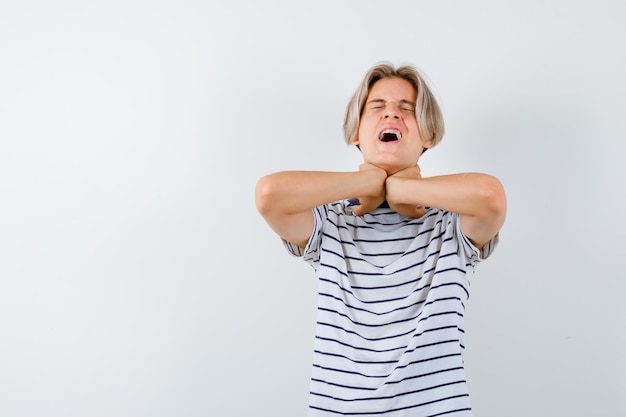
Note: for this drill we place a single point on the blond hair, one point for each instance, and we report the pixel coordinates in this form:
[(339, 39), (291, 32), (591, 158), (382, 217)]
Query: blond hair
[(427, 111)]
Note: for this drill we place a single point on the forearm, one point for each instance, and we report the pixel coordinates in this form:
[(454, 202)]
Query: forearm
[(291, 192), (467, 194)]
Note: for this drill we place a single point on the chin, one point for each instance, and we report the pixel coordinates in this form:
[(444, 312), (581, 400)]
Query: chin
[(392, 168)]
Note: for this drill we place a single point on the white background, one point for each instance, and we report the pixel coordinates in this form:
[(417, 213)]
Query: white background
[(136, 277)]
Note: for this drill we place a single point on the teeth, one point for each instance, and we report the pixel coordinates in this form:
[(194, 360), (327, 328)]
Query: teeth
[(390, 131)]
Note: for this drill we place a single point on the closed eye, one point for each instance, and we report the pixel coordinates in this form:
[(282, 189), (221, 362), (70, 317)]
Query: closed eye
[(376, 103), (407, 105)]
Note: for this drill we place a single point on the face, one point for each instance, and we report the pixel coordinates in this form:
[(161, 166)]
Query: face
[(388, 134)]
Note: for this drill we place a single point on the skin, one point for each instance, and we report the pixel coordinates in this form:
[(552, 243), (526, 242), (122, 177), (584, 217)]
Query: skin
[(389, 172)]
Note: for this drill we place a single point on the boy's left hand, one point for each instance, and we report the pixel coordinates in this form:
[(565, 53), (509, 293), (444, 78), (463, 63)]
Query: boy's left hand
[(409, 210)]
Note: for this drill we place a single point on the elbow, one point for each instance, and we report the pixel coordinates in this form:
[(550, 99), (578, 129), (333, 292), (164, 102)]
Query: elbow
[(268, 194), (493, 196), (263, 195)]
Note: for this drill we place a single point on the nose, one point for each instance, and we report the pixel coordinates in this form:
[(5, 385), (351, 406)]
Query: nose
[(391, 111), (391, 114)]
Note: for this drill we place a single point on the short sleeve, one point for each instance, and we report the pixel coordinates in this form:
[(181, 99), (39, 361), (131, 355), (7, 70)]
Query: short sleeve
[(310, 253), (471, 252)]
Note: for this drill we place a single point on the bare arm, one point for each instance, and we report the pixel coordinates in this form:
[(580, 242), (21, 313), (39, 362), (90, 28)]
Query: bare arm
[(286, 199), (478, 198)]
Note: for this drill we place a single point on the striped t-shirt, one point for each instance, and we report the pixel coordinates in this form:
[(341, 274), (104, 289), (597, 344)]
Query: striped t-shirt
[(389, 337)]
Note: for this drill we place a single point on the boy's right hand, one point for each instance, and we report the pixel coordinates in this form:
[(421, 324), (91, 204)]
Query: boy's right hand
[(369, 202)]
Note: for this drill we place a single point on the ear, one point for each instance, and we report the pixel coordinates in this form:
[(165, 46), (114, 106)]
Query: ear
[(356, 142), (428, 144)]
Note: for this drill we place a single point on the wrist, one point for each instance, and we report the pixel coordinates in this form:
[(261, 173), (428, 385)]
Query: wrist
[(373, 182), (396, 189)]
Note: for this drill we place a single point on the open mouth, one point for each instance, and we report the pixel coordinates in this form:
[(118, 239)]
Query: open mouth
[(389, 135)]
